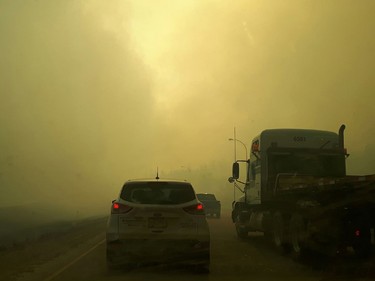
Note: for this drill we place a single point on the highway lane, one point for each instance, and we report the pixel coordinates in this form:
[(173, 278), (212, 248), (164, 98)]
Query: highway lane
[(231, 259), (80, 255)]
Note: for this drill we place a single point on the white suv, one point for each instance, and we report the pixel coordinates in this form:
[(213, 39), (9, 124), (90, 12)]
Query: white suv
[(158, 221)]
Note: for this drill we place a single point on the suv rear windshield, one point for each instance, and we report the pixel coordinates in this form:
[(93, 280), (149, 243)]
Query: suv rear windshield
[(206, 197), (165, 193)]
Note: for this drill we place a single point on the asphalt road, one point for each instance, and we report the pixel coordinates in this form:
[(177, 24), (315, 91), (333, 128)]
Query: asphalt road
[(231, 259)]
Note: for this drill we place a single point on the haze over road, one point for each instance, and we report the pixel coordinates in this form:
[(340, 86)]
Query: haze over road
[(93, 93), (96, 92)]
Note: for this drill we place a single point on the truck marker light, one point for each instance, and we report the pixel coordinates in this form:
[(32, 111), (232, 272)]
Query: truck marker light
[(116, 206)]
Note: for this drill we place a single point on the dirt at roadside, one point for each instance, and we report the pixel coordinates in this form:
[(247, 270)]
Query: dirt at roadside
[(24, 257)]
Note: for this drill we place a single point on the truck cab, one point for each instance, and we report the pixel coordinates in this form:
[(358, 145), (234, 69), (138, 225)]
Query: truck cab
[(277, 152)]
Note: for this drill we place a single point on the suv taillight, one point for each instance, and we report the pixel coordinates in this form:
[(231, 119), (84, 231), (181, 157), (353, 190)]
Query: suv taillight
[(196, 209), (118, 208)]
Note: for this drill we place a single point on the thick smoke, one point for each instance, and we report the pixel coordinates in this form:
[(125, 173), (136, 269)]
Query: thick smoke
[(96, 92)]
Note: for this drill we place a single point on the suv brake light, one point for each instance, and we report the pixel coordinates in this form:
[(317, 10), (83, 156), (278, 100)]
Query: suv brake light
[(118, 208), (196, 209)]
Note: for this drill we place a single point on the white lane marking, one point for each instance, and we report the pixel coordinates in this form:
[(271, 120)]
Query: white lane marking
[(73, 262)]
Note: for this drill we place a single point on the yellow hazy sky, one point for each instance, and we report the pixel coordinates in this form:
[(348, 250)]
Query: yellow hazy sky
[(96, 92)]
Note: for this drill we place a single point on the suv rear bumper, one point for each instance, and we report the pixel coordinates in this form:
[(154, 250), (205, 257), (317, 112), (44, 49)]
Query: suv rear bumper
[(164, 251)]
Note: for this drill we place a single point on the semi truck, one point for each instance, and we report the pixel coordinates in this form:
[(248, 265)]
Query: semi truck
[(296, 191)]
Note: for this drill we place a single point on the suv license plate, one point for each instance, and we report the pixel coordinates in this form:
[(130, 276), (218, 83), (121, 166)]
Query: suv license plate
[(157, 223)]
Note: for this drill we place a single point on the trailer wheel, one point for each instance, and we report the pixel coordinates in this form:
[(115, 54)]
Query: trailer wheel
[(279, 233), (298, 236)]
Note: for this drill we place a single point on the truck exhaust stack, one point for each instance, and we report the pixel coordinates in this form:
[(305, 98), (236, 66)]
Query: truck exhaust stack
[(341, 136)]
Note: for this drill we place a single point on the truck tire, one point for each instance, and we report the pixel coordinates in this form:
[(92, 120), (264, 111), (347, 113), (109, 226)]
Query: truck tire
[(279, 233), (297, 236), (242, 233)]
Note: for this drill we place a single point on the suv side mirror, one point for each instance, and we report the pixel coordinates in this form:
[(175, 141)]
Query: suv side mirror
[(235, 170)]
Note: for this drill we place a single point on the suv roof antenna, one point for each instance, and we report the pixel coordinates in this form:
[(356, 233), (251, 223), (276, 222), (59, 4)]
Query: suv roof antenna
[(157, 173)]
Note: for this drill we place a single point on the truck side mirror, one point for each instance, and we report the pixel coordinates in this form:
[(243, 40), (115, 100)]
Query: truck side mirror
[(235, 170)]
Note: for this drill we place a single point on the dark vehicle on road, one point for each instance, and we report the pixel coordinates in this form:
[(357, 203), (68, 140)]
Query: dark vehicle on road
[(158, 221), (211, 205)]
